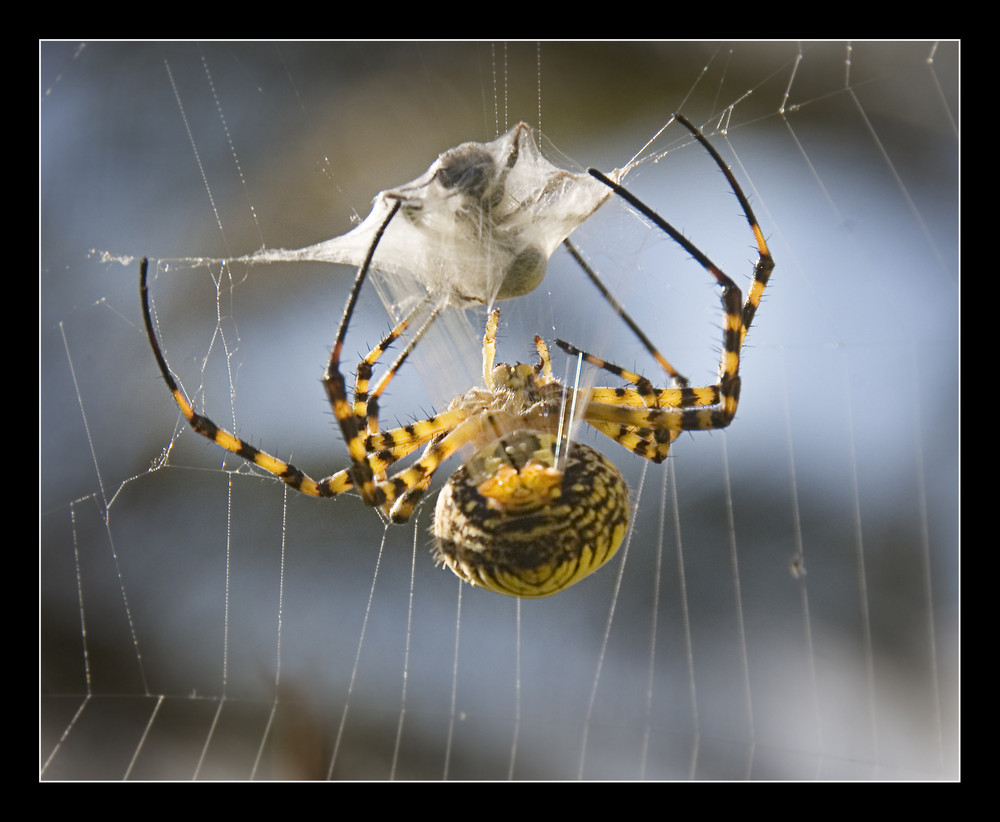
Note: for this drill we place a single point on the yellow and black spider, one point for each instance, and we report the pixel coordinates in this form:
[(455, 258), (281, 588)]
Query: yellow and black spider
[(531, 512)]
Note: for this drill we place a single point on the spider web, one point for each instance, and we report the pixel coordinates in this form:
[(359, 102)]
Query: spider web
[(786, 605)]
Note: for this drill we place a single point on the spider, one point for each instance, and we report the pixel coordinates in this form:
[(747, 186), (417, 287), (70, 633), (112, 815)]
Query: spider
[(531, 512)]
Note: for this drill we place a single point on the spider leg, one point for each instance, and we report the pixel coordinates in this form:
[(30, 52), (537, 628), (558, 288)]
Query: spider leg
[(490, 347), (646, 419), (640, 441), (402, 508), (645, 394), (400, 493), (765, 262), (285, 471), (288, 473), (658, 427), (733, 331), (382, 448), (398, 496), (354, 427), (366, 403), (372, 452), (678, 378)]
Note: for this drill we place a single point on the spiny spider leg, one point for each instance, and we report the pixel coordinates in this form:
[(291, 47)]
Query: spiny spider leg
[(285, 471), (619, 309), (362, 476), (402, 442), (765, 263), (698, 402)]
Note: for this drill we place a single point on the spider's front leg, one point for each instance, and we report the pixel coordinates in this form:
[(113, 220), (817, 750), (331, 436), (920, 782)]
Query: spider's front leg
[(397, 496), (371, 451), (646, 419), (285, 471), (355, 419)]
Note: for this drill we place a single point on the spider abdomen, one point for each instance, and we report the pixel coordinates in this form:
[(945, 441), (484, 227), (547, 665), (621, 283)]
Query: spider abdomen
[(532, 530)]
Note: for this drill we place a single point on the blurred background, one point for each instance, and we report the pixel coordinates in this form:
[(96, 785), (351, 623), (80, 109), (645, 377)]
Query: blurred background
[(786, 606)]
